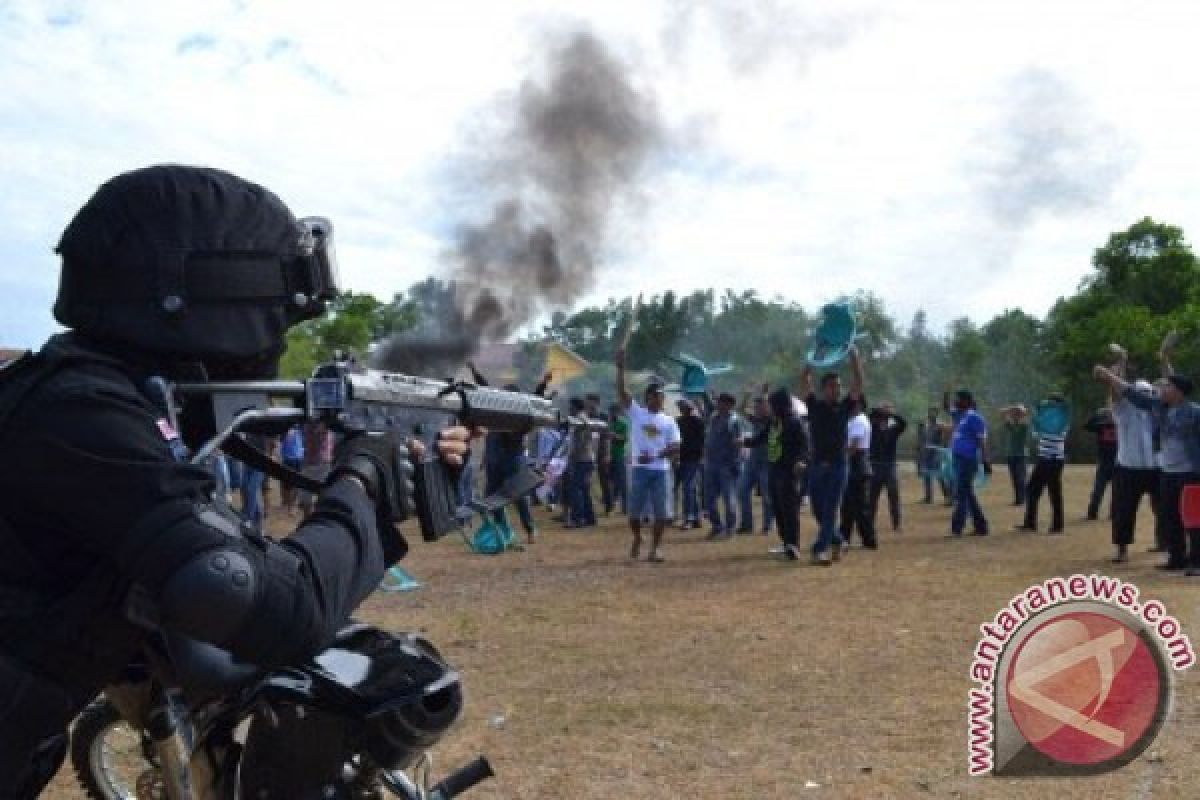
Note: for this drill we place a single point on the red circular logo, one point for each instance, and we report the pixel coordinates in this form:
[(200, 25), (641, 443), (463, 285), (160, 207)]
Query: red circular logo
[(1085, 688)]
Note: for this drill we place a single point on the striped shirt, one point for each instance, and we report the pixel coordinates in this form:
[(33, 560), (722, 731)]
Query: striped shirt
[(1052, 446), (1135, 436)]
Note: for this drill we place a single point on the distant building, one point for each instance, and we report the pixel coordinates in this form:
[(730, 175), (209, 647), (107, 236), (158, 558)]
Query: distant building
[(566, 364), (498, 363)]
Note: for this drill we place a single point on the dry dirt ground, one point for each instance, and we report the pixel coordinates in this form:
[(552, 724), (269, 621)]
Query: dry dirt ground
[(724, 673)]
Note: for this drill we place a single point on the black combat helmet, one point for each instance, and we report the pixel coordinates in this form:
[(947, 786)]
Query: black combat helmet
[(192, 263)]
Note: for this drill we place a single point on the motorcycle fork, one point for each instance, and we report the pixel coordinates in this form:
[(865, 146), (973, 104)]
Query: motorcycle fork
[(188, 770)]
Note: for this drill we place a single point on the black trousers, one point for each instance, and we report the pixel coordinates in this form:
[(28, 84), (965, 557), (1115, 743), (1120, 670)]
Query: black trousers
[(1129, 485), (1104, 474), (856, 510), (786, 505), (604, 473), (883, 476), (1047, 475), (1017, 473), (1170, 520)]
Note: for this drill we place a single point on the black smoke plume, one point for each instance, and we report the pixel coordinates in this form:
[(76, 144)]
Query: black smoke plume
[(1049, 154), (569, 149)]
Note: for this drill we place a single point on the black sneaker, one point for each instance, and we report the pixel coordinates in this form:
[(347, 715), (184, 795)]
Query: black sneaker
[(1055, 530), (1024, 529), (1169, 567)]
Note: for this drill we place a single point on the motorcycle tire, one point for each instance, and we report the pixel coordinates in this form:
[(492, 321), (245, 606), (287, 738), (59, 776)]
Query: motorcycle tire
[(104, 770)]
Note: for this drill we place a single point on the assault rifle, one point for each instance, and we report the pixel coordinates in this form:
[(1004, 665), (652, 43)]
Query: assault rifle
[(351, 400)]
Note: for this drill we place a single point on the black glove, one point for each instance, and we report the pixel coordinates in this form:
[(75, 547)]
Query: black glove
[(383, 463), (987, 468)]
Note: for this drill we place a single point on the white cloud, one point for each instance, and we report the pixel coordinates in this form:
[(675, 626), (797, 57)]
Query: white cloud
[(843, 158)]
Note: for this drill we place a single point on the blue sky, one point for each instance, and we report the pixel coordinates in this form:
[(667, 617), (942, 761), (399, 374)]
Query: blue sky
[(951, 156)]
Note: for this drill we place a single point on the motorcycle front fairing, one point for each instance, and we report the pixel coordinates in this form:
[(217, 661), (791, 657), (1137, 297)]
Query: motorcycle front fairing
[(385, 698)]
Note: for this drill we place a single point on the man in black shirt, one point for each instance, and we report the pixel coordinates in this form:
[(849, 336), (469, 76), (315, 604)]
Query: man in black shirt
[(756, 470), (691, 457), (828, 418), (786, 443), (886, 429), (1104, 427)]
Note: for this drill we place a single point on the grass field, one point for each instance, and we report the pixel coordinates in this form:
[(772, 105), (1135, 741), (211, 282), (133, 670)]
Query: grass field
[(724, 673)]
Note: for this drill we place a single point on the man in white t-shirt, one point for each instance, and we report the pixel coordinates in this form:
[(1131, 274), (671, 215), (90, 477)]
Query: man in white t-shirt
[(653, 440)]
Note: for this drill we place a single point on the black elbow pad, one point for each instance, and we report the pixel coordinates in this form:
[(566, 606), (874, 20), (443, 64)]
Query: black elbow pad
[(211, 596)]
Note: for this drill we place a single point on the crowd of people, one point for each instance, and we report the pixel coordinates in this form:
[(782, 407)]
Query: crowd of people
[(750, 464)]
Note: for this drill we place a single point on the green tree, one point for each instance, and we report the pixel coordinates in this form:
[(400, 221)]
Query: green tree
[(1016, 367), (1146, 282), (352, 323), (966, 351)]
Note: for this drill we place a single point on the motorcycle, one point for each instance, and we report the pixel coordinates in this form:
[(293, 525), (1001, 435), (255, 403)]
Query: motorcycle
[(356, 721)]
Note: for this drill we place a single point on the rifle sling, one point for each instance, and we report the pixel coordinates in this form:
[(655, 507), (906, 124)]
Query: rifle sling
[(238, 448)]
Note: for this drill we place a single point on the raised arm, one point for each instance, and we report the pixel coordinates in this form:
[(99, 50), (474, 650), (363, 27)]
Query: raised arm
[(857, 377), (1120, 368), (622, 392), (476, 375), (540, 389), (1164, 353), (1164, 358), (1115, 382), (806, 381)]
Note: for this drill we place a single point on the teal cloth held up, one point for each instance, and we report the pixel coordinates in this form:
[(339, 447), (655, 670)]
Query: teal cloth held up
[(834, 336), (1052, 417)]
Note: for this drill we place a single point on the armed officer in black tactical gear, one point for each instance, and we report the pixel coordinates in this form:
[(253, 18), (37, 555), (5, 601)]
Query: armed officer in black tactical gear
[(181, 273)]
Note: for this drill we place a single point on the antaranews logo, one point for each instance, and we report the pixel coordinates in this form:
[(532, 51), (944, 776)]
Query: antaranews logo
[(1074, 678)]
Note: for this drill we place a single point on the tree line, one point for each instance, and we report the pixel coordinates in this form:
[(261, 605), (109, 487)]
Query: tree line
[(1144, 282)]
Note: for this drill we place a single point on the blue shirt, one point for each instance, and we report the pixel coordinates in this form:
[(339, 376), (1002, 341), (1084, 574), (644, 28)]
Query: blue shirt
[(293, 445), (970, 430)]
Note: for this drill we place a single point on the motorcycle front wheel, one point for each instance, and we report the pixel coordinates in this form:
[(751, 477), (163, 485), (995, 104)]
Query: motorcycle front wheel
[(109, 757)]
